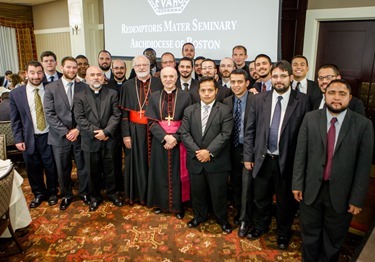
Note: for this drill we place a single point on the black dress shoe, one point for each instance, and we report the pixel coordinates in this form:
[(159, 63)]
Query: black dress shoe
[(37, 201), (227, 228), (283, 242), (157, 211), (85, 199), (65, 202), (255, 233), (193, 223), (52, 200), (116, 200), (242, 230), (94, 205), (180, 215)]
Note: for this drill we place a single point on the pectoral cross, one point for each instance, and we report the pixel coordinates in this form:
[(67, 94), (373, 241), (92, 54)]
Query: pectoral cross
[(169, 118)]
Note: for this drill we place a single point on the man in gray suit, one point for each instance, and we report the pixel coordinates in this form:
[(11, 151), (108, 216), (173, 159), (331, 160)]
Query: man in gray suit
[(64, 136), (331, 172), (205, 131)]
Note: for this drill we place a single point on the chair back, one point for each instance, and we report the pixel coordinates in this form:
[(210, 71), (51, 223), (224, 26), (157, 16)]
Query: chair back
[(3, 147), (6, 185), (6, 128)]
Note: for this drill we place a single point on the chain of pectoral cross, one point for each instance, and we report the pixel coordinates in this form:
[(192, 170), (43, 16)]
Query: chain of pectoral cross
[(146, 90)]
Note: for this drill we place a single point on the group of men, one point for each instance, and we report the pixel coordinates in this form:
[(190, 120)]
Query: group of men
[(188, 129)]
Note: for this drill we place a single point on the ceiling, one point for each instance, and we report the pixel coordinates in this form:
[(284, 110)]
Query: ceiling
[(26, 2)]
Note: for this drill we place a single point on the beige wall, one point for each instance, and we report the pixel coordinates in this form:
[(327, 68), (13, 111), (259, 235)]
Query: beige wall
[(324, 4), (51, 15), (59, 43)]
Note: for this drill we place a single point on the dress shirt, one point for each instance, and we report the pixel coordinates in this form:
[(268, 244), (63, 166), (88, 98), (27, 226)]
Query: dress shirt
[(268, 84), (302, 86), (182, 83), (340, 119), (243, 109), (65, 83), (30, 99), (209, 109), (227, 84), (55, 76)]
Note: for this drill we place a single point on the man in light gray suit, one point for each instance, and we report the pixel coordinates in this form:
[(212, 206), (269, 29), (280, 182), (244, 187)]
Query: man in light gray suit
[(64, 136), (331, 172)]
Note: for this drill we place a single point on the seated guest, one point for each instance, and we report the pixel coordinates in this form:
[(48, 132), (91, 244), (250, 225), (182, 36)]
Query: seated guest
[(5, 107)]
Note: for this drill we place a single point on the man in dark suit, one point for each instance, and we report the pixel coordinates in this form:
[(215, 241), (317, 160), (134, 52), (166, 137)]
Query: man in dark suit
[(104, 63), (331, 172), (240, 178), (269, 146), (300, 67), (185, 80), (226, 67), (49, 62), (239, 55), (326, 74), (64, 136), (205, 132), (30, 131), (263, 66), (97, 116)]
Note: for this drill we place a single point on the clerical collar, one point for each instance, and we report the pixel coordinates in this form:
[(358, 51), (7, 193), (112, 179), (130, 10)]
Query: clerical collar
[(96, 91), (146, 80), (170, 91)]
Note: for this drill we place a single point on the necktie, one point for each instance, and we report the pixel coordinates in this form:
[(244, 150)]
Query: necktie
[(225, 85), (186, 86), (274, 129), (205, 118), (51, 78), (298, 86), (264, 88), (237, 124), (331, 137), (70, 93), (40, 120)]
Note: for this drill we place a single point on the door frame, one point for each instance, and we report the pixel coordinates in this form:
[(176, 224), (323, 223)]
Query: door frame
[(313, 19)]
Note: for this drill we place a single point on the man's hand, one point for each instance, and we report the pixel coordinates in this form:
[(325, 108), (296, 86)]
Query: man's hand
[(100, 135), (170, 142), (253, 90), (72, 135), (127, 142), (354, 210), (297, 195), (249, 165), (203, 155), (21, 146)]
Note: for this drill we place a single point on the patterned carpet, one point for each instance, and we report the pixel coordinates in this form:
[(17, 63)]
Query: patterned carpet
[(134, 233)]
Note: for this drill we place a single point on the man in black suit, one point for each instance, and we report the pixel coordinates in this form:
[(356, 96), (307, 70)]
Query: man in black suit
[(49, 62), (269, 146), (185, 80), (226, 67), (331, 172), (263, 66), (104, 63), (97, 116), (30, 131), (240, 178), (198, 67), (83, 65), (326, 74), (205, 132), (300, 67), (64, 136)]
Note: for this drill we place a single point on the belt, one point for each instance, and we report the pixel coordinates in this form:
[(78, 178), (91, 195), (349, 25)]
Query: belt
[(39, 135), (273, 157)]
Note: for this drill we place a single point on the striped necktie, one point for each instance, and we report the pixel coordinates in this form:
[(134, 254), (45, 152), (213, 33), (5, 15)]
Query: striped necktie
[(205, 117)]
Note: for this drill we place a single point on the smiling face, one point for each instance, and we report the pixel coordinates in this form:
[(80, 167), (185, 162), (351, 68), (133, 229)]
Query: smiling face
[(188, 50), (168, 77), (119, 69), (226, 67), (262, 67), (34, 75), (325, 76), (104, 61), (239, 56), (94, 77), (300, 68), (69, 70), (185, 69), (82, 64), (238, 84), (280, 80)]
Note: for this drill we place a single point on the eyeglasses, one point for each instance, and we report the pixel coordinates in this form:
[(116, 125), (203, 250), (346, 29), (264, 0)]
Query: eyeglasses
[(279, 76), (328, 77), (207, 68)]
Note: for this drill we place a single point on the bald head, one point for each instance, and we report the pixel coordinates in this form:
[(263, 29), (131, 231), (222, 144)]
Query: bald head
[(168, 76)]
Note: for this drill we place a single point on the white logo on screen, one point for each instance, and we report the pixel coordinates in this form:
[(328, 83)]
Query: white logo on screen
[(165, 7)]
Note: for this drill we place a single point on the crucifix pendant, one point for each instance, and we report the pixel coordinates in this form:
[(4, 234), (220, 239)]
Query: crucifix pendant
[(169, 118)]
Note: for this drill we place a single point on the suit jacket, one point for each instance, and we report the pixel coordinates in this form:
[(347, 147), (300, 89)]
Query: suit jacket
[(258, 125), (46, 81), (215, 138), (222, 93), (193, 89), (89, 119), (20, 116), (313, 89), (5, 110), (351, 162), (355, 104), (59, 115)]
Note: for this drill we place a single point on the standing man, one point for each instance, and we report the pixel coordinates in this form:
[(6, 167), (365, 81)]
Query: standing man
[(185, 80), (134, 99), (326, 74), (331, 172), (198, 67), (105, 62), (254, 77), (30, 131), (83, 65), (167, 60), (97, 115), (269, 149), (64, 136), (119, 73), (205, 132), (168, 182), (263, 66), (188, 50), (239, 55), (241, 180), (226, 67), (49, 62)]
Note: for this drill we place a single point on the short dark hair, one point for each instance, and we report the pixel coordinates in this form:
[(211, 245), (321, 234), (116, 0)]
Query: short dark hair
[(199, 58), (8, 72), (168, 53), (187, 59), (264, 56), (240, 47), (68, 58), (300, 56), (149, 49), (188, 43), (283, 65), (341, 81), (240, 72), (33, 63), (209, 60), (81, 57), (48, 53), (104, 51), (5, 95), (331, 66), (207, 79)]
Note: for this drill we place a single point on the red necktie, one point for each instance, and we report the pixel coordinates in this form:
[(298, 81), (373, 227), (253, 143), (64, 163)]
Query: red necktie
[(264, 88), (331, 135)]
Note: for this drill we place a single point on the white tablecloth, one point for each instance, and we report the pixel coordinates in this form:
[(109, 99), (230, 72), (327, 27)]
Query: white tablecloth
[(19, 212)]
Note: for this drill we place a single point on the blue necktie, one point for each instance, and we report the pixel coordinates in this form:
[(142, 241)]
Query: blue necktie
[(274, 129), (237, 124)]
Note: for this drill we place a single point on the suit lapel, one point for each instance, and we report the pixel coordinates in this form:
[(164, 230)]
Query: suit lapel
[(292, 104), (24, 102), (197, 116), (345, 126), (61, 90), (267, 108), (322, 121), (91, 102), (103, 101)]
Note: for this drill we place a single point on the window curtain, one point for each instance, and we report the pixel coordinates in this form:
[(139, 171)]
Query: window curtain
[(8, 50)]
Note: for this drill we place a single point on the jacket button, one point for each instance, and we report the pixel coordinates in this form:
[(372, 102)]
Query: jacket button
[(263, 156)]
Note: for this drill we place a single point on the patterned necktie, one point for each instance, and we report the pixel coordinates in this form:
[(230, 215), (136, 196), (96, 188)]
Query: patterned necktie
[(331, 137), (264, 88), (274, 129), (298, 86), (51, 78), (186, 86), (237, 123), (70, 93), (205, 118), (40, 120)]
